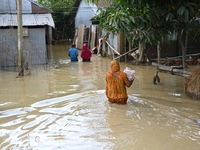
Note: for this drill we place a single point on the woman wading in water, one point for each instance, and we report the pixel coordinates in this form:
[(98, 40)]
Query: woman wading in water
[(116, 83), (86, 53)]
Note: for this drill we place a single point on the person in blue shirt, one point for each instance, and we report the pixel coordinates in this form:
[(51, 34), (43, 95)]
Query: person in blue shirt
[(73, 53)]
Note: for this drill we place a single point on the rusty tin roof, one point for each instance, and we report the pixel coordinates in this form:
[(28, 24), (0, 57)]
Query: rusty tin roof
[(33, 14)]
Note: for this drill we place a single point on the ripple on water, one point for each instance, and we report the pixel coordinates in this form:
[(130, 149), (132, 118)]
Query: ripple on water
[(88, 121)]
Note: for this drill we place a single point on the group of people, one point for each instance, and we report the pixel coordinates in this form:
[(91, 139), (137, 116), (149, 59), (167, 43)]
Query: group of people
[(86, 53), (116, 80)]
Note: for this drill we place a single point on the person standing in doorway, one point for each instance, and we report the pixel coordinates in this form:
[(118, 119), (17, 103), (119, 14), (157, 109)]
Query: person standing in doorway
[(116, 83), (73, 53), (86, 54)]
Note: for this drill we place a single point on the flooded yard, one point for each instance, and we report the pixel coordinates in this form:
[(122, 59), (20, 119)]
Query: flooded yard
[(62, 106)]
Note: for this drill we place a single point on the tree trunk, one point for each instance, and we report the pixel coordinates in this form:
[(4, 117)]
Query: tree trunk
[(158, 52), (186, 42), (141, 53), (63, 32), (180, 38)]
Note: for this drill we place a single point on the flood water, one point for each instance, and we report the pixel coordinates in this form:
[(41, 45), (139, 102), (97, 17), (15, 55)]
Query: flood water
[(62, 106)]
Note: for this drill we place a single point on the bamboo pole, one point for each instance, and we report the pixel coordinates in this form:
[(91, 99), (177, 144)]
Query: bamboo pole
[(134, 49), (112, 48), (177, 57), (20, 38), (127, 52), (174, 70)]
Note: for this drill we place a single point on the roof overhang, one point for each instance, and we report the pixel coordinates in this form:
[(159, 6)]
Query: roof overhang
[(27, 20)]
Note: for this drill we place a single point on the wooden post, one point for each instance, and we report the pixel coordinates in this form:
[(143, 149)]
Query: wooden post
[(20, 38), (93, 36), (121, 45), (81, 32), (50, 35)]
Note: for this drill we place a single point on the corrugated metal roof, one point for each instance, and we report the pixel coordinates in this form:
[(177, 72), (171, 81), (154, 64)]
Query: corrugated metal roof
[(9, 6), (27, 19), (28, 6), (42, 8)]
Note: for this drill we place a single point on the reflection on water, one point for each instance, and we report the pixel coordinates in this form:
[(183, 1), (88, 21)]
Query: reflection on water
[(65, 107)]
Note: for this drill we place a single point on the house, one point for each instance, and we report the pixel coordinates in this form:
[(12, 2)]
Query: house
[(87, 30), (84, 12), (37, 25)]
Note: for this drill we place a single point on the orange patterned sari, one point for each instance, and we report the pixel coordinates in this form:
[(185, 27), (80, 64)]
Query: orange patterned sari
[(116, 81)]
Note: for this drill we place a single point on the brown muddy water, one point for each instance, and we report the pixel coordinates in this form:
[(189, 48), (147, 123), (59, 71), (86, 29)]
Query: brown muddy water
[(62, 106)]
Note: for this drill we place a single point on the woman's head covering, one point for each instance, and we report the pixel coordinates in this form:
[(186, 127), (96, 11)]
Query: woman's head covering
[(115, 67), (86, 53), (85, 47)]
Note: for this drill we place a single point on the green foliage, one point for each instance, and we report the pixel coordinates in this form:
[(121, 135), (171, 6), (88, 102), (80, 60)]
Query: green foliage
[(194, 30), (105, 2), (61, 15), (148, 20)]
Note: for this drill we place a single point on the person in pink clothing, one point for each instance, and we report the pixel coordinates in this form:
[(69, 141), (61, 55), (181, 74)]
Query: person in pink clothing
[(86, 53)]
